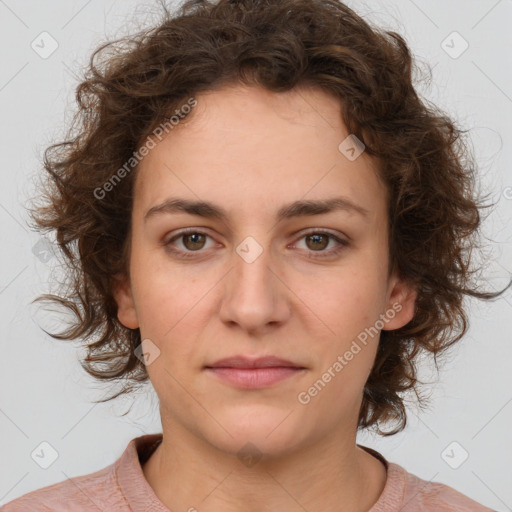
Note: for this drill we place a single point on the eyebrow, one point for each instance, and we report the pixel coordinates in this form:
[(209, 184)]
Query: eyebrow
[(299, 208)]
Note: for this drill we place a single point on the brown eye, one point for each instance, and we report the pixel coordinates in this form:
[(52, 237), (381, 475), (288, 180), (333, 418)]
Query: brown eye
[(317, 241), (187, 243), (318, 244), (197, 241)]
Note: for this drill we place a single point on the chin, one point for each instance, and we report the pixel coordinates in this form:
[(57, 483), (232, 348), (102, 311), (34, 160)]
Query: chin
[(256, 435)]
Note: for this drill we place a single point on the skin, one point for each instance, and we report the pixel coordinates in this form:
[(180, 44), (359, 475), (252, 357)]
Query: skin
[(252, 151)]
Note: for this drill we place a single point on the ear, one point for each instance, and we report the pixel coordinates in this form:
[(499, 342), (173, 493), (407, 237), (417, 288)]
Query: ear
[(402, 300), (126, 312)]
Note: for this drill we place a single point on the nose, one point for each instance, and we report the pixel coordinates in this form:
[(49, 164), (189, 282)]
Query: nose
[(254, 295)]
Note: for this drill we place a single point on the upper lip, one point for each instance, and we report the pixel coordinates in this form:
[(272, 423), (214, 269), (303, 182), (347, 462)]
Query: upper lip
[(248, 362)]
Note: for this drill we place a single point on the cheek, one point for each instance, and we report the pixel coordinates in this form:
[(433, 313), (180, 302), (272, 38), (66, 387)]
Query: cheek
[(347, 357), (167, 305), (350, 306), (165, 292), (350, 301)]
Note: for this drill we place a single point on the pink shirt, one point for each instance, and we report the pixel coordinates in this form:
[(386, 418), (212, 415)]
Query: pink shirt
[(122, 487)]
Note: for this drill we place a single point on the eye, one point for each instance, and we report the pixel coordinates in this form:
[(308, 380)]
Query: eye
[(317, 241), (192, 240)]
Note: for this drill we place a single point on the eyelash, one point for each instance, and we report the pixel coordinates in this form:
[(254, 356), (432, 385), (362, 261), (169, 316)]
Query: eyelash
[(192, 254)]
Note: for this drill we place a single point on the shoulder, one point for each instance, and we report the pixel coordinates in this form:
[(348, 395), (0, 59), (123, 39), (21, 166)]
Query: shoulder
[(88, 492), (93, 492), (407, 492), (420, 495), (110, 488), (120, 486)]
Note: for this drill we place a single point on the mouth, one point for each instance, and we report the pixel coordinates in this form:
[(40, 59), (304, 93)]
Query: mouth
[(254, 363), (246, 373)]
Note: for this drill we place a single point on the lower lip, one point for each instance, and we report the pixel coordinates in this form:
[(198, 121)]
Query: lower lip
[(254, 378)]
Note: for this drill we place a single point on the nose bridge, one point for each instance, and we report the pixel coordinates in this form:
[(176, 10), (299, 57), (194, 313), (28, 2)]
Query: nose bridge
[(252, 273), (252, 263)]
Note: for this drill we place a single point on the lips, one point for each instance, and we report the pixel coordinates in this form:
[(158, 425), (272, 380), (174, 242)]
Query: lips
[(260, 362), (254, 373)]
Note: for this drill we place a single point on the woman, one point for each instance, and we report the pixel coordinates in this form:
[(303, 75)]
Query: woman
[(266, 221)]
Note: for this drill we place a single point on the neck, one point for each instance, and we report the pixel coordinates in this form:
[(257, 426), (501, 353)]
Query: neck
[(187, 473)]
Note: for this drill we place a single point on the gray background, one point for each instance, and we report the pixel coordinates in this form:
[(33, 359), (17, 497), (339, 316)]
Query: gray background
[(45, 396)]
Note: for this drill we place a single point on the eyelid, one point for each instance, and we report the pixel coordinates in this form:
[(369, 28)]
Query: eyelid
[(166, 242), (323, 231), (333, 235)]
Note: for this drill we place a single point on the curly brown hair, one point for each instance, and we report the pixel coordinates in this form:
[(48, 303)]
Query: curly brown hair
[(429, 172)]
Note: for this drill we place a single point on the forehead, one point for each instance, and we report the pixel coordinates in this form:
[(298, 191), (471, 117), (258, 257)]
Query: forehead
[(246, 146)]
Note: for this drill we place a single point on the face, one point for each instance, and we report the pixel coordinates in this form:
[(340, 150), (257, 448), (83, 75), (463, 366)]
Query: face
[(303, 286)]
